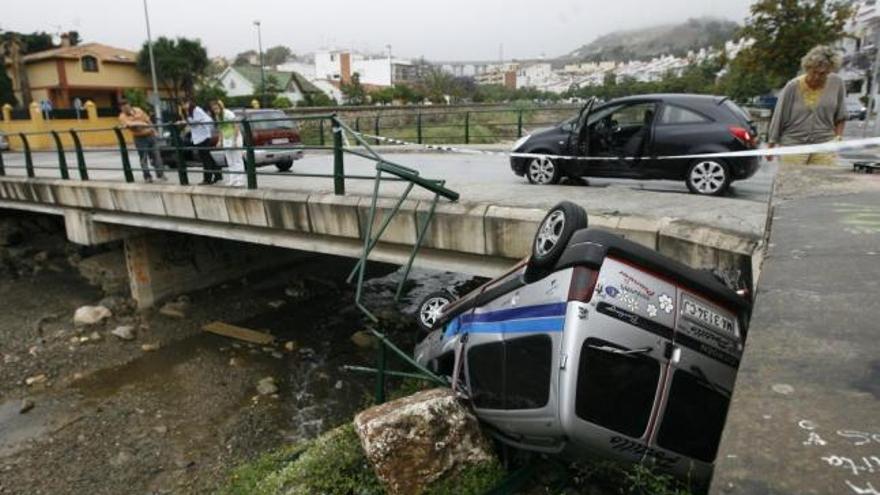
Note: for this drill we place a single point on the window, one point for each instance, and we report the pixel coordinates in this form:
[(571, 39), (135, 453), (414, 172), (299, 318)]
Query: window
[(615, 391), (694, 417), (89, 64), (514, 374), (677, 115)]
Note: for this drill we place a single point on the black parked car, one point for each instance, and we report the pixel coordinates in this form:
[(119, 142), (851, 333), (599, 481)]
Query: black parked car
[(645, 127)]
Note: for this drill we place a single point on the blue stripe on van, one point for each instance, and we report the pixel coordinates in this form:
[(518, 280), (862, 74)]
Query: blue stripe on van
[(540, 311), (517, 326), (541, 318)]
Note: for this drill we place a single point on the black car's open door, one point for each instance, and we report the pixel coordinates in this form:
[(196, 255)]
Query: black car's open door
[(579, 137)]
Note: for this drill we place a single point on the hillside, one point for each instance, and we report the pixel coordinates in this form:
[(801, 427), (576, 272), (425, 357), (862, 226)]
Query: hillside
[(646, 43)]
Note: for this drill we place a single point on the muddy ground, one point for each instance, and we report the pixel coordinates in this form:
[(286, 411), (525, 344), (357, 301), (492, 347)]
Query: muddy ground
[(82, 411)]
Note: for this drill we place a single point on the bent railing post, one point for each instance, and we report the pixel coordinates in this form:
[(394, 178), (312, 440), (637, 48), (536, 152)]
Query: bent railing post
[(250, 162), (467, 128), (338, 158), (62, 160), (381, 363), (123, 149), (519, 124), (80, 156), (321, 131), (181, 156), (376, 130), (419, 128), (28, 158)]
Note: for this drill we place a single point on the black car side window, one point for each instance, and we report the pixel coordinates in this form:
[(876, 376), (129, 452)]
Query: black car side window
[(673, 114)]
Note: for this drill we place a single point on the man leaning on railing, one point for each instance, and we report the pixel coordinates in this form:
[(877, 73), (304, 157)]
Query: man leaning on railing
[(138, 123)]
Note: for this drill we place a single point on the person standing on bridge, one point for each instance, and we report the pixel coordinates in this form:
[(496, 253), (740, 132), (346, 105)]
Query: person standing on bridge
[(811, 108), (231, 141), (200, 125), (141, 127)]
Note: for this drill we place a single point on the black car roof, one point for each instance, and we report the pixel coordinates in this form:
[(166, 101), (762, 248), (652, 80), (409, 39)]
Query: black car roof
[(671, 98)]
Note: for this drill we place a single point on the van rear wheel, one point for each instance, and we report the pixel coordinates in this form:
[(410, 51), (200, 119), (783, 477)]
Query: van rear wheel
[(554, 232), (431, 308)]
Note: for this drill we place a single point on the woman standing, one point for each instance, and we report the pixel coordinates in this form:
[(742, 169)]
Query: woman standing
[(200, 125), (811, 108), (230, 137)]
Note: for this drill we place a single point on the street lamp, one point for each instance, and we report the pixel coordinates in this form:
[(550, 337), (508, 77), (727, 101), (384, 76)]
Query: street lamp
[(262, 67), (157, 102)]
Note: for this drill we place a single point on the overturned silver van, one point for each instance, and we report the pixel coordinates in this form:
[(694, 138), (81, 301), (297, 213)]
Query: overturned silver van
[(595, 345)]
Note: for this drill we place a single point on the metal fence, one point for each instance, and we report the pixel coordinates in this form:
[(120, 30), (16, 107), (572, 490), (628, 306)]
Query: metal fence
[(434, 126), (172, 144)]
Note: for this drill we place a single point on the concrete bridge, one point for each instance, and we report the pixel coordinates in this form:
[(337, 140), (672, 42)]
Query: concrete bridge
[(481, 237)]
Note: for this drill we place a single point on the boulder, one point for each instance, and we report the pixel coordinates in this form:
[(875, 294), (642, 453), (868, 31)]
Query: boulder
[(107, 271), (124, 332), (90, 315), (415, 441)]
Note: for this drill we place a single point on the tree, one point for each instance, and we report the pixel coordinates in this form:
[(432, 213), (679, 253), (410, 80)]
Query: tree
[(318, 99), (354, 91), (180, 63), (784, 31), (29, 43), (246, 58), (277, 55), (271, 89), (282, 102)]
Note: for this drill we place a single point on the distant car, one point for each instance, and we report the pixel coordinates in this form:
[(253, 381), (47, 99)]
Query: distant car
[(595, 345), (625, 134), (856, 111), (270, 128), (4, 143)]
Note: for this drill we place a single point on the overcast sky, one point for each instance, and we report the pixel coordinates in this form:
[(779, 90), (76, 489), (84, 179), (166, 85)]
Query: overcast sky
[(438, 30)]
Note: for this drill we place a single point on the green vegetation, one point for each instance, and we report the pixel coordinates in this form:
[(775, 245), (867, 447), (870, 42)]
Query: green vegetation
[(30, 43), (784, 31), (181, 63)]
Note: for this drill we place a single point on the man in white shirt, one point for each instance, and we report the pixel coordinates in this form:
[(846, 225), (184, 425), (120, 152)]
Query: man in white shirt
[(201, 126)]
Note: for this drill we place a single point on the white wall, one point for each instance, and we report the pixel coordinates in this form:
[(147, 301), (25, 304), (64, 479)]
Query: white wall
[(374, 71), (303, 69), (235, 84)]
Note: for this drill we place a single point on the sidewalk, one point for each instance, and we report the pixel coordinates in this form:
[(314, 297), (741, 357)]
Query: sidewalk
[(805, 415)]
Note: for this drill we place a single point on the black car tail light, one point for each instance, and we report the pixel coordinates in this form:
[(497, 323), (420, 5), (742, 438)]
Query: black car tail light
[(743, 136), (583, 283)]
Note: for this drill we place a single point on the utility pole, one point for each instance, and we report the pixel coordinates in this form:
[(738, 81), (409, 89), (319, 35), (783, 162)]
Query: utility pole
[(390, 65), (157, 101), (262, 67)]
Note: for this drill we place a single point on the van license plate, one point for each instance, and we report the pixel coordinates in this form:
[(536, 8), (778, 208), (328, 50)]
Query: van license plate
[(699, 313), (280, 141)]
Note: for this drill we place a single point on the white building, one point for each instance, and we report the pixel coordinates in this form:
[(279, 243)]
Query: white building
[(245, 80), (340, 65)]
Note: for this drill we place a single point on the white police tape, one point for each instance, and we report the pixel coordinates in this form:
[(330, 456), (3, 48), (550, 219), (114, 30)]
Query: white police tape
[(805, 149)]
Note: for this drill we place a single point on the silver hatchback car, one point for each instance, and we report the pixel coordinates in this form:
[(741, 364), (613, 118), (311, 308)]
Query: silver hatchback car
[(595, 345)]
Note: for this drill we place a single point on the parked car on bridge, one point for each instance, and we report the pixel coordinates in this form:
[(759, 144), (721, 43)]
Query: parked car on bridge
[(595, 345), (625, 135), (270, 128)]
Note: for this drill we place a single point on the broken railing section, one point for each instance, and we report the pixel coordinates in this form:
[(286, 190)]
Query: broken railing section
[(386, 170)]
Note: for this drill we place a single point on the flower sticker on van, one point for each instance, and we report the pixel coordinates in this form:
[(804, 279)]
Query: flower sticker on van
[(666, 303)]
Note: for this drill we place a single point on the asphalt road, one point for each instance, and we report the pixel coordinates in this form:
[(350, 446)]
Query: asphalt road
[(476, 174)]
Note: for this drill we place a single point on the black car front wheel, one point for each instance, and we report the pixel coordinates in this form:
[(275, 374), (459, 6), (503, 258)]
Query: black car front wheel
[(708, 177), (285, 165), (542, 171)]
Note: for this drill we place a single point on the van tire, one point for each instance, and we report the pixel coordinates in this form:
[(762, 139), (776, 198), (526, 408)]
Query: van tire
[(427, 312), (554, 232)]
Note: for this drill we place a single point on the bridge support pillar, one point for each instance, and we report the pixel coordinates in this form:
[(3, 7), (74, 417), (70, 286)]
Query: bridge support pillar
[(82, 229), (163, 265)]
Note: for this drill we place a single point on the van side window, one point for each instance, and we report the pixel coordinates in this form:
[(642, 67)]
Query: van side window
[(673, 114), (614, 390), (513, 374), (694, 418)]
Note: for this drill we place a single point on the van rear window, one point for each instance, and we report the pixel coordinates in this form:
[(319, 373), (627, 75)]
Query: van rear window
[(615, 391), (694, 418), (513, 374)]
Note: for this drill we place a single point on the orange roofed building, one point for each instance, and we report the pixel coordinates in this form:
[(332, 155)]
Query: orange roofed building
[(91, 71)]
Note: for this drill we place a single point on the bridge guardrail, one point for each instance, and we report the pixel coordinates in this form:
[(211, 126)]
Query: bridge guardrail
[(171, 143)]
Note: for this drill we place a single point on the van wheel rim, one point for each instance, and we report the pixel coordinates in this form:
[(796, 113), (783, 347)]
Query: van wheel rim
[(541, 170), (708, 177), (431, 310), (549, 234)]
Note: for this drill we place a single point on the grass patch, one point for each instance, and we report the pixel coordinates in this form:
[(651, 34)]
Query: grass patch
[(245, 478), (474, 480)]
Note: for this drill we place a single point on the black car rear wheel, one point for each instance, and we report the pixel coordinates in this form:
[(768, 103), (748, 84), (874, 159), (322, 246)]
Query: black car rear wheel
[(542, 171), (708, 177)]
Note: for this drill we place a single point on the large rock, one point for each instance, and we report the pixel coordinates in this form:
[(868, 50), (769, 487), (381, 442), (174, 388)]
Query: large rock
[(414, 441), (90, 315), (107, 271)]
